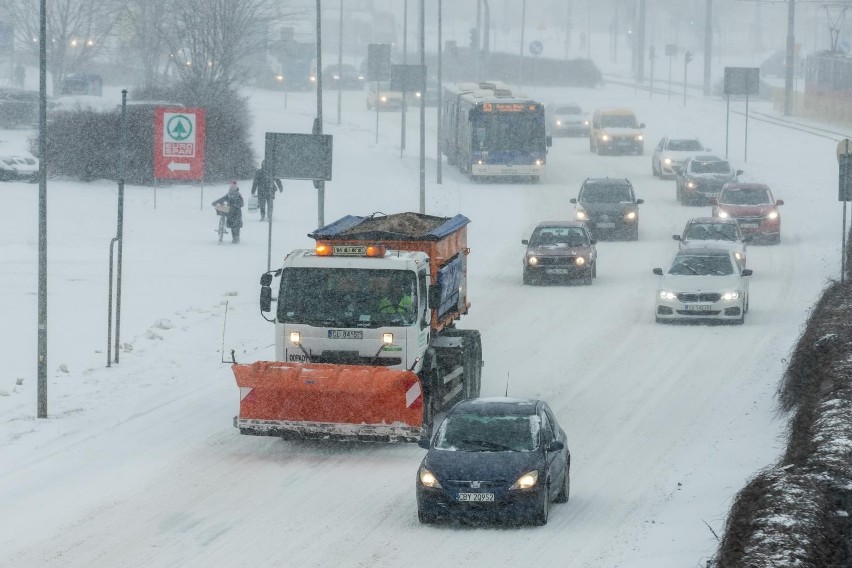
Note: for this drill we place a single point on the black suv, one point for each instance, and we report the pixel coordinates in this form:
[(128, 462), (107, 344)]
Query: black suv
[(609, 208)]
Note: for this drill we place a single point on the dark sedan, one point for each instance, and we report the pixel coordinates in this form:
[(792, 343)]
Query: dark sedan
[(501, 459), (561, 250), (609, 208), (702, 178), (343, 77)]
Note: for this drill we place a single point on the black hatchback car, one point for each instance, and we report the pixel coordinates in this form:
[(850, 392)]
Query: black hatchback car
[(499, 459), (343, 77), (609, 208)]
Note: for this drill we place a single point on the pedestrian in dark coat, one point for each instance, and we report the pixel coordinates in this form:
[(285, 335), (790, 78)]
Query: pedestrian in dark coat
[(264, 186), (234, 200)]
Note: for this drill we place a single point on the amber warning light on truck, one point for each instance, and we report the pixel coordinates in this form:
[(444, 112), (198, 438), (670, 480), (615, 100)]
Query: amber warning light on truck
[(377, 251)]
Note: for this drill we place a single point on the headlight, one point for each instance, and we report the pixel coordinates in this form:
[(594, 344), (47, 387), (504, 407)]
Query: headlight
[(585, 123), (580, 261), (538, 162), (666, 295), (581, 215), (723, 214), (558, 123), (387, 338), (295, 337), (604, 137), (428, 479), (479, 162), (532, 261), (526, 481), (772, 215), (639, 138), (630, 215), (738, 256), (728, 296), (691, 184), (360, 77), (383, 98), (417, 94), (667, 161), (336, 77)]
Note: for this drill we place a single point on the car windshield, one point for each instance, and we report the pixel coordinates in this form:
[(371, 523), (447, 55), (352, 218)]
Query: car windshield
[(746, 196), (695, 265), (559, 236), (684, 146), (347, 297), (618, 121), (712, 231), (468, 432), (567, 110), (715, 167), (606, 193)]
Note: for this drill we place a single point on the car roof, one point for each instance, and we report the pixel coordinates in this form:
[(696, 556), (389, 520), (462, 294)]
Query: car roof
[(719, 220), (579, 224), (498, 406), (608, 181), (708, 158), (737, 186), (708, 251), (615, 111)]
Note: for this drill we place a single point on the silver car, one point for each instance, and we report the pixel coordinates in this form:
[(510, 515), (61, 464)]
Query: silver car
[(714, 232), (671, 152)]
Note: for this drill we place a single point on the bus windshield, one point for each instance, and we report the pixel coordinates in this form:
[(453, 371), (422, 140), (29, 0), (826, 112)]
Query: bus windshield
[(347, 297), (506, 132)]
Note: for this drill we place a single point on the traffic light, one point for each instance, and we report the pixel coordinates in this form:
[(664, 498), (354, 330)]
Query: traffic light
[(687, 57)]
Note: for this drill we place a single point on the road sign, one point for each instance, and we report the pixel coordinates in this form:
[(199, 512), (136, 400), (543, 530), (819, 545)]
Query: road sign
[(742, 80), (408, 78), (844, 158), (179, 143), (536, 47), (299, 156), (671, 50), (378, 62)]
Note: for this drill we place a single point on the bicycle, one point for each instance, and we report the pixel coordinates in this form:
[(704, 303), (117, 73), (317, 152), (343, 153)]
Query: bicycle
[(222, 212)]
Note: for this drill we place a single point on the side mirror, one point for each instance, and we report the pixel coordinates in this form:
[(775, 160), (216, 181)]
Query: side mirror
[(423, 443), (640, 201), (266, 279), (549, 140), (572, 200), (641, 125), (593, 242), (747, 272), (739, 172), (265, 299), (714, 201), (525, 242), (555, 446), (779, 202), (658, 271), (708, 149), (747, 238), (676, 237), (677, 169), (434, 297)]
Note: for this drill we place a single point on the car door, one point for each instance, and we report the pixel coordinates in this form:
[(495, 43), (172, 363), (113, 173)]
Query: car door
[(555, 461)]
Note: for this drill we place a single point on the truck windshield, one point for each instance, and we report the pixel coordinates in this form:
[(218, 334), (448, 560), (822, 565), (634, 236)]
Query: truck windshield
[(348, 297)]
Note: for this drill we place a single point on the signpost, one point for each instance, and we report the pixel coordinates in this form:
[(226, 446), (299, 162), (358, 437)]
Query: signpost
[(406, 78), (844, 160), (179, 145), (378, 69), (740, 81), (671, 52)]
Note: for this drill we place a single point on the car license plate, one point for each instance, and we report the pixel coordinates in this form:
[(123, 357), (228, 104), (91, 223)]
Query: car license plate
[(476, 497), (507, 171), (345, 334), (605, 225), (749, 225), (697, 308), (556, 271)]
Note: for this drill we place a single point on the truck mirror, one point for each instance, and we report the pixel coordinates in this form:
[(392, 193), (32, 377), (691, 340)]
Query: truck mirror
[(266, 298), (434, 297), (549, 140), (676, 237), (658, 271), (525, 242), (266, 279)]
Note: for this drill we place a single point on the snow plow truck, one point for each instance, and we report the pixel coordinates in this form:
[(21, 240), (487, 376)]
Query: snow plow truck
[(366, 345)]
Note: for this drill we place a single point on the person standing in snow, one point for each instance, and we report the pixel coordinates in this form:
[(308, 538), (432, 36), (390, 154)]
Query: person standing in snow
[(234, 200), (264, 186)]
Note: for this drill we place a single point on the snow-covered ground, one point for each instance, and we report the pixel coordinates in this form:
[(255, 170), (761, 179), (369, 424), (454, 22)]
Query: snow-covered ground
[(139, 464)]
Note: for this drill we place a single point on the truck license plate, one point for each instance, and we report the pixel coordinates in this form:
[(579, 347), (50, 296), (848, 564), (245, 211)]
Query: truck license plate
[(698, 308), (749, 225), (605, 225), (476, 497), (556, 270), (345, 334)]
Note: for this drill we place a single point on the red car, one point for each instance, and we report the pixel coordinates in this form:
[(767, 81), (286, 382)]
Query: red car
[(754, 208)]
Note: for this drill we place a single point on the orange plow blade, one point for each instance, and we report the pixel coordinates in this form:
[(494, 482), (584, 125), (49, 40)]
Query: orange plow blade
[(318, 400)]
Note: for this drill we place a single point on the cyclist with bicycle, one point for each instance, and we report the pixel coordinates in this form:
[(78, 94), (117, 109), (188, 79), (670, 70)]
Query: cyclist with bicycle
[(234, 216)]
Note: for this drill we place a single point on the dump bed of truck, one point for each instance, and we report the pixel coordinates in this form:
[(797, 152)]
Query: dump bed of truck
[(444, 239)]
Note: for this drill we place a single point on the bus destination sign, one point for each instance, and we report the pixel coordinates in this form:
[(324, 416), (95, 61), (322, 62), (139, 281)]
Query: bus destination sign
[(509, 107)]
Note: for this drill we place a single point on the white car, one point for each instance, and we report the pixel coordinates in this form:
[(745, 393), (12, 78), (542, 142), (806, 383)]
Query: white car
[(714, 232), (671, 152), (705, 284), (18, 167)]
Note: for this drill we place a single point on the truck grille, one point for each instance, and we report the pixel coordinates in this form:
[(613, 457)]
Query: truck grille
[(556, 261)]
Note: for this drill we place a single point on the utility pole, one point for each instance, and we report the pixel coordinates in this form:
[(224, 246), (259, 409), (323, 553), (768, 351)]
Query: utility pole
[(639, 46), (319, 184), (791, 56), (708, 44), (42, 212), (404, 62), (423, 107), (340, 65), (440, 160)]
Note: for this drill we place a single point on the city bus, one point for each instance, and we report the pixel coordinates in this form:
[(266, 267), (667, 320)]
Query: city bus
[(490, 132)]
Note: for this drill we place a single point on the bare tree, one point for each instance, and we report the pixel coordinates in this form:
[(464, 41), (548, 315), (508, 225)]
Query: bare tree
[(145, 21), (77, 30)]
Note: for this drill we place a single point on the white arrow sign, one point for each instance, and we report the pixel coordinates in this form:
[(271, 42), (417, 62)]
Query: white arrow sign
[(175, 166)]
